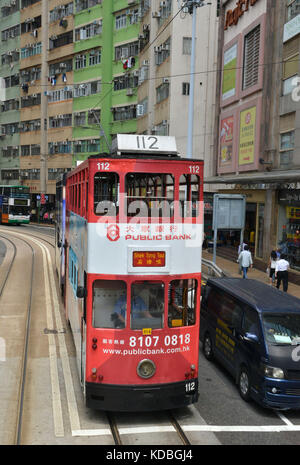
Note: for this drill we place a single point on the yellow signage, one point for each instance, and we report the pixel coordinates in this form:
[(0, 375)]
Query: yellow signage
[(247, 136)]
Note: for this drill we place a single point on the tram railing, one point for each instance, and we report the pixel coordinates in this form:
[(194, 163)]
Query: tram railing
[(211, 270)]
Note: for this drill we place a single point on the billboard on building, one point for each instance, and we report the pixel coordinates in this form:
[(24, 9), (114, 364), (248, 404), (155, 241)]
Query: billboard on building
[(226, 140), (229, 72), (247, 136)]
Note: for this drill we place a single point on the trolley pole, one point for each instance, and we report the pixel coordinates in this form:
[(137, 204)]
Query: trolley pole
[(190, 6)]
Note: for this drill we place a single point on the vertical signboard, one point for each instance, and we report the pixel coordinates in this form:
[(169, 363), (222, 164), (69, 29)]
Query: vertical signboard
[(226, 140), (229, 72), (247, 136), (228, 213)]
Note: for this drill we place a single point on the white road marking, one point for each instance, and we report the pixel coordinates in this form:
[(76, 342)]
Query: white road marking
[(284, 419), (192, 428)]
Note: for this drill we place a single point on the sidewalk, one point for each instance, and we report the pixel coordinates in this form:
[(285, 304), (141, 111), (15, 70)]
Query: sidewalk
[(231, 268)]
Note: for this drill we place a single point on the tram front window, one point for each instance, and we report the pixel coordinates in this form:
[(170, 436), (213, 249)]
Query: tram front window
[(147, 305), (106, 188), (109, 304), (182, 302)]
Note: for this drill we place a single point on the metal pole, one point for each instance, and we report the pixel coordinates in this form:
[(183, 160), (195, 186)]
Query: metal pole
[(44, 100), (192, 87), (215, 245)]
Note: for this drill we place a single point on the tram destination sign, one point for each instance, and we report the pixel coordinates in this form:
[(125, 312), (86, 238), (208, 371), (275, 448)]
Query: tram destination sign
[(130, 143)]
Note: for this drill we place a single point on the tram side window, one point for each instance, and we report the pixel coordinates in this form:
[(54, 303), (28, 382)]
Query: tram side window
[(189, 186), (109, 304), (147, 305), (149, 195), (106, 194), (182, 302)]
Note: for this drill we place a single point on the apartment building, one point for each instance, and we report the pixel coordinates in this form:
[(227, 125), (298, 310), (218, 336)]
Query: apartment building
[(62, 64), (10, 92), (82, 71), (257, 119), (164, 75)]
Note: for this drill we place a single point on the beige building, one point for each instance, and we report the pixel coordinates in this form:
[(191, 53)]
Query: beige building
[(164, 75)]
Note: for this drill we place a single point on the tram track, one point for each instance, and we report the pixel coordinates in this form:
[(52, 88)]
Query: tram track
[(27, 318)]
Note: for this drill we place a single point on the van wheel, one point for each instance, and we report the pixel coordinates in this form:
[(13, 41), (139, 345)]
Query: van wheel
[(207, 347), (244, 384)]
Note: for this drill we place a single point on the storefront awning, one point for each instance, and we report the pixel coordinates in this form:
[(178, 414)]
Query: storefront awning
[(263, 178)]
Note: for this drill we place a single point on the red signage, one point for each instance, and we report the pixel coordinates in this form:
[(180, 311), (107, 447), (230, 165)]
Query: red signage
[(149, 259), (233, 16)]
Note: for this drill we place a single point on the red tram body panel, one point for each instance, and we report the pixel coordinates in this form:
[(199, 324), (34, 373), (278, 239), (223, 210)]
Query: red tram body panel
[(133, 237)]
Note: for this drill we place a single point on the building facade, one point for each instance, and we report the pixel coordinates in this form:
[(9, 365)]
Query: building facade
[(79, 72), (257, 116)]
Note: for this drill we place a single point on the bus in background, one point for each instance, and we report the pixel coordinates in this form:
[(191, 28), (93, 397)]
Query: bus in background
[(132, 245), (14, 205)]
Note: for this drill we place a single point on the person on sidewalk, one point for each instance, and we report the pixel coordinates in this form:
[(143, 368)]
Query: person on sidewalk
[(245, 260), (272, 266), (281, 272), (241, 248)]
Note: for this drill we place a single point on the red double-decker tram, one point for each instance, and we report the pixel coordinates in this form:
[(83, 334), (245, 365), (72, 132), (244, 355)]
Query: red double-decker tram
[(132, 255)]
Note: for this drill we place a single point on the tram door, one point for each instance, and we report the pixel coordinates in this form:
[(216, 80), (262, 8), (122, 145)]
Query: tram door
[(83, 337)]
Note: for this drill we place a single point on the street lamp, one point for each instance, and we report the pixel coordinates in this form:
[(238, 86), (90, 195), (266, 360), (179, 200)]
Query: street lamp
[(190, 6)]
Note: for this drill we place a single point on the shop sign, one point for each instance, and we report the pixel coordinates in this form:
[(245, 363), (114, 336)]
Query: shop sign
[(291, 29), (233, 16), (289, 196), (247, 136), (226, 140), (229, 72)]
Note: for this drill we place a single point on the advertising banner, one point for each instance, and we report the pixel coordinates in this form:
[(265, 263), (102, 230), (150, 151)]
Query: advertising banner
[(226, 140), (229, 73), (247, 136)]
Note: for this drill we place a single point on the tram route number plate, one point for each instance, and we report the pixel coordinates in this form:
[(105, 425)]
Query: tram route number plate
[(190, 386)]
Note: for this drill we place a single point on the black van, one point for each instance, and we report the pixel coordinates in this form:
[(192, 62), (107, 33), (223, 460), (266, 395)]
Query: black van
[(253, 329)]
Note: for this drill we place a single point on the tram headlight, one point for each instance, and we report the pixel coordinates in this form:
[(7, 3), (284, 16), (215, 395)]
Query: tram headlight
[(146, 369)]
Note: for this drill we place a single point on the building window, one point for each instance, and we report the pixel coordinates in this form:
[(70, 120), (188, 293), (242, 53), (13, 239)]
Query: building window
[(80, 61), (93, 117), (95, 57), (187, 46), (124, 113), (126, 51), (88, 31), (251, 58), (287, 145), (290, 84), (293, 9), (84, 4), (185, 88), (162, 92), (121, 21), (79, 119)]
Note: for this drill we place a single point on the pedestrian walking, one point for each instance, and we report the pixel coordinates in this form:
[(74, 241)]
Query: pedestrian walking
[(281, 272), (241, 248), (245, 260), (272, 266)]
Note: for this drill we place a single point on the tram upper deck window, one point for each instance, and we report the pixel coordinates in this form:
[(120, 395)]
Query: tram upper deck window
[(149, 194), (147, 305), (189, 188), (109, 304), (182, 302), (106, 193)]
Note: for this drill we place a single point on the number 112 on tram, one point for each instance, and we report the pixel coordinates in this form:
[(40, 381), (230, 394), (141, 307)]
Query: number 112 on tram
[(130, 245)]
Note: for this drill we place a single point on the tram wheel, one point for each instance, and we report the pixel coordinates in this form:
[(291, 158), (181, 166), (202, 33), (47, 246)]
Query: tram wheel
[(244, 384), (207, 347)]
